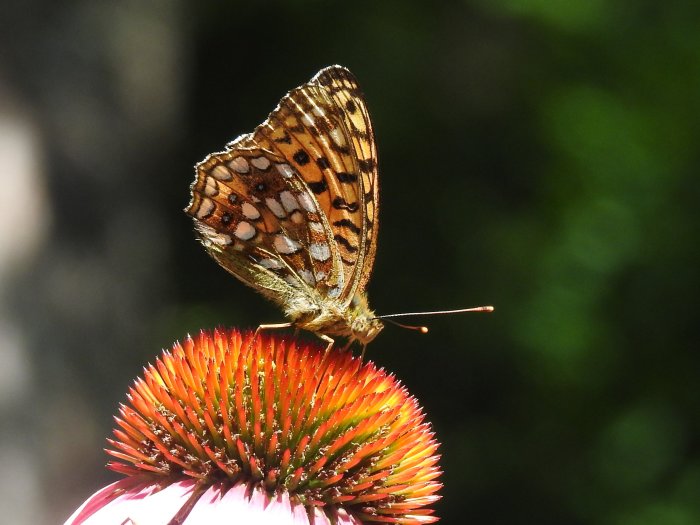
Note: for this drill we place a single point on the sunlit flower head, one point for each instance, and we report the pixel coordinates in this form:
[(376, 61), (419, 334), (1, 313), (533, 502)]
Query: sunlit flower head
[(269, 430)]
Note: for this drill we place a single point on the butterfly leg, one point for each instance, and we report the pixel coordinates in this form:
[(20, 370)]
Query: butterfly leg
[(328, 340), (268, 327), (272, 326)]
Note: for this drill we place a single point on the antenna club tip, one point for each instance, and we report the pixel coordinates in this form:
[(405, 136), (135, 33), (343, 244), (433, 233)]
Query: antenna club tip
[(489, 308), (423, 329)]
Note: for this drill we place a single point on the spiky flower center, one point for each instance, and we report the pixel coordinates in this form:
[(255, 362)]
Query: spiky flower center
[(325, 428)]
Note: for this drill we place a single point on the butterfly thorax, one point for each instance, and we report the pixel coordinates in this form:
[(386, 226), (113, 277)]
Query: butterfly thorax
[(326, 316)]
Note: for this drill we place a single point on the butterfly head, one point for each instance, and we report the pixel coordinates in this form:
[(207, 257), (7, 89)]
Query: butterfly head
[(363, 323)]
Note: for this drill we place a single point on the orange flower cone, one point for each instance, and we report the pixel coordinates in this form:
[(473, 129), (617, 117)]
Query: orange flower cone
[(227, 428)]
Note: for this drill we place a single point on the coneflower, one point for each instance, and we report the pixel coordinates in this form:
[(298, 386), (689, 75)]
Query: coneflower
[(230, 428)]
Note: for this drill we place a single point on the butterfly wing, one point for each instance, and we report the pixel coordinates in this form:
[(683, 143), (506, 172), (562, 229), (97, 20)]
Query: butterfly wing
[(325, 129), (346, 94), (288, 208), (254, 217)]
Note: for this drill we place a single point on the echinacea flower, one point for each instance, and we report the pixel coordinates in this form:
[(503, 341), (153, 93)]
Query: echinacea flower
[(233, 428)]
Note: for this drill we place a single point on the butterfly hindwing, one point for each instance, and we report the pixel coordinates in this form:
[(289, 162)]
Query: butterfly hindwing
[(256, 220)]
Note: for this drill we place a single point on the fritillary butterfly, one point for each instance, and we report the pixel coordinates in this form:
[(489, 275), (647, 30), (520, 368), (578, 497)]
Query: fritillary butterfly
[(291, 208)]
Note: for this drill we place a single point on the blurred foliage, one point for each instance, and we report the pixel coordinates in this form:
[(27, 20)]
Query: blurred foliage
[(539, 156)]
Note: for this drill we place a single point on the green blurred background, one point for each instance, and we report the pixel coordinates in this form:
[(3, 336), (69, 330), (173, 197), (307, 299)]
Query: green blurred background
[(537, 155)]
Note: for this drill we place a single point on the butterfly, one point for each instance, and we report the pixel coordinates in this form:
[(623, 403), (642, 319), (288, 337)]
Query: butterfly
[(291, 209)]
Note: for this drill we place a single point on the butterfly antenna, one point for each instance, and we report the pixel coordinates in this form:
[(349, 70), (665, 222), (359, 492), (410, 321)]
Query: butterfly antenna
[(421, 329), (440, 312), (424, 329)]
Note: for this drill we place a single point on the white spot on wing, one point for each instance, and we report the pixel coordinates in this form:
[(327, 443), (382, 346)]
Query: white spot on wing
[(318, 112), (210, 237), (338, 137), (307, 120), (285, 245), (288, 201), (275, 207), (262, 163), (239, 165), (250, 211), (285, 170), (272, 264), (320, 251), (308, 277), (316, 226), (221, 173), (206, 207), (244, 231), (297, 217), (307, 202), (211, 189)]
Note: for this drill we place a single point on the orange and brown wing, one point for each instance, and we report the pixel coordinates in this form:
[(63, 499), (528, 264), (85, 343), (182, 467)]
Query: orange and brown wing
[(346, 94), (293, 205), (254, 216), (324, 129)]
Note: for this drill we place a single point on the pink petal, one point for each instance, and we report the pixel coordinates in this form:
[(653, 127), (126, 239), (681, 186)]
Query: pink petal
[(129, 501)]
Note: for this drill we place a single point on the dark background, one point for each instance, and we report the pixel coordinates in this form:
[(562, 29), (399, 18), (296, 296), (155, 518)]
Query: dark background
[(539, 156)]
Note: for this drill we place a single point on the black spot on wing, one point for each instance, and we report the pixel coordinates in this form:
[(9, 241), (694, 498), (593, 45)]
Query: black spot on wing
[(361, 134), (344, 150), (318, 187), (301, 157), (344, 242), (341, 204), (366, 165), (321, 127), (346, 177), (347, 223)]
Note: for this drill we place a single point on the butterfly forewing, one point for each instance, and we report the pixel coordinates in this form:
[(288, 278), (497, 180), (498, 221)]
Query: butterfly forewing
[(311, 128), (292, 206), (346, 95)]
